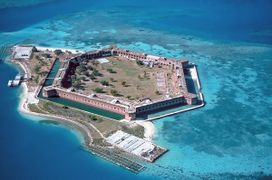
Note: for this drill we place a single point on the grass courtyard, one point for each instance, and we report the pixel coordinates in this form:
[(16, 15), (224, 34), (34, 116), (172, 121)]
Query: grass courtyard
[(119, 77)]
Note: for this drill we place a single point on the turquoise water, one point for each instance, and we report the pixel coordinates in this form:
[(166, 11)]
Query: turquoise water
[(52, 73), (84, 107), (230, 41)]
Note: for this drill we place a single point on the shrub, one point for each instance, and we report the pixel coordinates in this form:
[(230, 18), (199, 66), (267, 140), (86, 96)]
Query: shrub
[(96, 72), (158, 92), (58, 52), (112, 80), (37, 68), (98, 90), (111, 70), (139, 62), (114, 92), (104, 83), (93, 117), (76, 83), (124, 83)]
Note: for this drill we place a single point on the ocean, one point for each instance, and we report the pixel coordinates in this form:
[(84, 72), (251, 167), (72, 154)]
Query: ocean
[(230, 41)]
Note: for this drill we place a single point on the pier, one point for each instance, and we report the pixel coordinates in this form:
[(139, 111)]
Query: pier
[(116, 158), (16, 81)]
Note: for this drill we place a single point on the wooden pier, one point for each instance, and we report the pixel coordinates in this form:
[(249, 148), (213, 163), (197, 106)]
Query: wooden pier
[(16, 81), (117, 158)]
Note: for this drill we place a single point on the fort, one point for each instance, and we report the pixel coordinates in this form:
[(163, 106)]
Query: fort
[(90, 91), (158, 82)]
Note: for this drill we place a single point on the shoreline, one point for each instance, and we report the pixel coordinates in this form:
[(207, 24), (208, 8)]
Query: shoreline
[(149, 129), (43, 48), (27, 97), (80, 130)]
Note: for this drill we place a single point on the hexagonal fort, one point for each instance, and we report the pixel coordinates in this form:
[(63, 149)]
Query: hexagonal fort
[(124, 82)]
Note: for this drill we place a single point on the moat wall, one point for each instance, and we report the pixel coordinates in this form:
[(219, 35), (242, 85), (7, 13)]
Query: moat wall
[(90, 101)]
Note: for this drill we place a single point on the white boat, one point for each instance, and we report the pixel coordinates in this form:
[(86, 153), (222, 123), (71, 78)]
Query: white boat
[(10, 83)]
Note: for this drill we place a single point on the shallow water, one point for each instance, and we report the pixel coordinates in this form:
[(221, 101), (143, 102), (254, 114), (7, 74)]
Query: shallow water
[(229, 41)]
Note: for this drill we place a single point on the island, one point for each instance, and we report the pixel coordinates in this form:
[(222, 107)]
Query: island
[(110, 95)]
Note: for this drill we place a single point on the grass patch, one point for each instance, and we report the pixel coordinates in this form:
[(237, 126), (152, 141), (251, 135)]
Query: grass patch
[(136, 130)]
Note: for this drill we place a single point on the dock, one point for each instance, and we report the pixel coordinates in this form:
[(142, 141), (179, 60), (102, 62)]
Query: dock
[(136, 146), (116, 158), (16, 81)]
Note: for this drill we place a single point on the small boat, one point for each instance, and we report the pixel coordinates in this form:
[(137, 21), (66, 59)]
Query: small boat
[(10, 83)]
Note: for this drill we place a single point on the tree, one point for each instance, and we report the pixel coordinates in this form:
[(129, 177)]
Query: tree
[(95, 63), (90, 67), (112, 80), (82, 67), (114, 92), (58, 52), (37, 68), (93, 117), (91, 76), (86, 73), (158, 92), (96, 72), (76, 84), (124, 83), (36, 79), (139, 62), (111, 70), (98, 90), (73, 78), (104, 83)]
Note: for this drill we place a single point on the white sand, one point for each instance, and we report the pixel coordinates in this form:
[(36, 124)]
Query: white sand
[(149, 129), (30, 98), (73, 51)]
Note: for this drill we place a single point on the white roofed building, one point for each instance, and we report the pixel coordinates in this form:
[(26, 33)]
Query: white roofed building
[(22, 52)]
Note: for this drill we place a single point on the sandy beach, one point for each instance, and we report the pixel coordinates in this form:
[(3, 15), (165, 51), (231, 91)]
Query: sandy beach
[(74, 51), (29, 98), (149, 129)]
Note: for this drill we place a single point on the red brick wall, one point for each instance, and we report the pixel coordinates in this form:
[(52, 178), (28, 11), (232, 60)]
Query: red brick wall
[(91, 102)]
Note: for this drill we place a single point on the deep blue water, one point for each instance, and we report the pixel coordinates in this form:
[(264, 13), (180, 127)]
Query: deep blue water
[(230, 41)]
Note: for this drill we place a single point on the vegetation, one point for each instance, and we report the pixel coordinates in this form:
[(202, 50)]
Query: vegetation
[(96, 72), (90, 67), (129, 97), (37, 68), (112, 80), (139, 62), (76, 82), (110, 70), (130, 79), (58, 52), (36, 79), (114, 92), (124, 83), (158, 92), (95, 118), (81, 68), (95, 63), (104, 83), (99, 90), (136, 130)]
